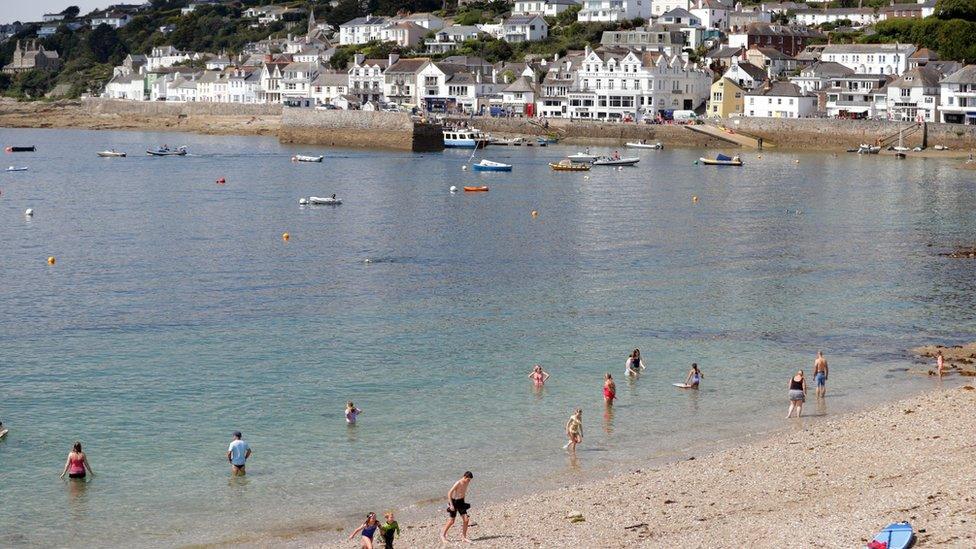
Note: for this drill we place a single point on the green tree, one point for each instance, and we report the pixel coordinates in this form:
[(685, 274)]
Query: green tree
[(71, 12), (105, 46), (956, 9)]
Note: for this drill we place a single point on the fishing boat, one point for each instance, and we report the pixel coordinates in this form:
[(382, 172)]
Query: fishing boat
[(111, 153), (868, 149), (567, 165), (582, 157), (464, 138), (611, 161), (166, 151), (16, 169), (327, 201), (642, 145), (30, 149), (306, 158), (722, 160), (489, 166), (481, 189)]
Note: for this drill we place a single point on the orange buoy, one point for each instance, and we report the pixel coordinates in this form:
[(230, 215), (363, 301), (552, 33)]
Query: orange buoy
[(221, 181), (51, 260), (285, 236), (482, 189)]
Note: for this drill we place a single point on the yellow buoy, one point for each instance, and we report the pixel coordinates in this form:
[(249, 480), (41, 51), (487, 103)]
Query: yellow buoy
[(797, 161), (285, 236), (51, 260), (694, 199), (535, 213)]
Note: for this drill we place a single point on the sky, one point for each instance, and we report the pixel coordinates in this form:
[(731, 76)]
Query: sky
[(32, 10)]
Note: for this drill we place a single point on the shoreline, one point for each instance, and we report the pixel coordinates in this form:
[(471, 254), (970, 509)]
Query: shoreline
[(897, 461)]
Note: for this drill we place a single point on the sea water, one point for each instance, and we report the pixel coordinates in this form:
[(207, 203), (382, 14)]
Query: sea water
[(175, 314)]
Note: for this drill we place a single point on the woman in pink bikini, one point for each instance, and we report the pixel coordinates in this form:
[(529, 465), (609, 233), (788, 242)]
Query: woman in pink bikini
[(538, 375), (609, 390), (77, 464)]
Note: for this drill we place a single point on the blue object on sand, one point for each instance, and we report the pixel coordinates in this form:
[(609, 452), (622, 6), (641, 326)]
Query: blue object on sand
[(898, 535)]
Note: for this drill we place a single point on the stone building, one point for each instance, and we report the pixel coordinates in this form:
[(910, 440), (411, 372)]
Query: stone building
[(31, 58)]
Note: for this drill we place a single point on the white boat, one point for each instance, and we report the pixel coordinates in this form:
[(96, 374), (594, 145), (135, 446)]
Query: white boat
[(868, 149), (166, 151), (582, 157), (306, 158), (327, 201), (112, 153), (489, 166), (16, 169), (640, 145), (610, 161), (464, 138)]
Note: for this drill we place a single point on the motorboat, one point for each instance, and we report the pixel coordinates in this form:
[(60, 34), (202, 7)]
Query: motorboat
[(722, 160), (166, 151), (464, 138), (582, 157), (641, 145), (111, 153), (16, 169), (868, 149), (481, 189), (567, 165), (30, 148), (940, 148), (615, 161), (489, 166), (327, 201), (306, 158)]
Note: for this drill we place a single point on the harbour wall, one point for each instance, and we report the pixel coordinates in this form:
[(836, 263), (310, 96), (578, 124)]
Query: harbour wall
[(372, 130), (165, 109)]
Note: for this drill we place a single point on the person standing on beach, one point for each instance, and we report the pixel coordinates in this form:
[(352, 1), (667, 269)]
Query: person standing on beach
[(574, 430), (940, 363), (352, 413), (456, 505), (634, 363), (368, 530), (798, 393), (820, 373), (609, 389), (538, 375), (390, 530), (77, 464), (237, 454)]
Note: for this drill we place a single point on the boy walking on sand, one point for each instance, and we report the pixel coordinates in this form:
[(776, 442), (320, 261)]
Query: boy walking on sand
[(456, 504), (390, 529)]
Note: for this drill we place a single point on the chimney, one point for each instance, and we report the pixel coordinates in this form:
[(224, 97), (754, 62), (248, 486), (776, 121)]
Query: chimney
[(587, 51), (394, 57), (477, 76), (358, 58)]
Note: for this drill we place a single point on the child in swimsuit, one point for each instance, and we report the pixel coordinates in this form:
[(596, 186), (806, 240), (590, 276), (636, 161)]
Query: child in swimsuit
[(368, 529), (694, 376), (352, 413), (609, 389)]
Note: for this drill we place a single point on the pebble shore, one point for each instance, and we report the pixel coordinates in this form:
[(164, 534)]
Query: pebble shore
[(823, 482)]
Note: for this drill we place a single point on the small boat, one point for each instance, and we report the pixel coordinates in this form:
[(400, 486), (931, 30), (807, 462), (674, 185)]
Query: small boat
[(722, 160), (29, 149), (16, 169), (327, 201), (897, 535), (900, 155), (641, 145), (610, 161), (548, 140), (166, 151), (464, 138), (868, 149), (111, 154), (481, 189), (568, 165), (306, 158), (489, 166), (940, 148), (582, 157)]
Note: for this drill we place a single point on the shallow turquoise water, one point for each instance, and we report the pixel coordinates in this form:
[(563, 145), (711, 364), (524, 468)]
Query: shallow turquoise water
[(176, 314)]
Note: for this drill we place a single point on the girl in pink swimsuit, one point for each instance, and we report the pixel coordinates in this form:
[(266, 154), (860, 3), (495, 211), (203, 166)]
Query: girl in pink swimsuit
[(538, 375), (77, 464), (609, 389)]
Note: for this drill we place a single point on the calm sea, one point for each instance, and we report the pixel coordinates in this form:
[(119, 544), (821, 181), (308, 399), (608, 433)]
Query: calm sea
[(176, 314)]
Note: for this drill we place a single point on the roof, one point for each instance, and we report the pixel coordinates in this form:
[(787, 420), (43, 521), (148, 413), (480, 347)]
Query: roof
[(462, 78), (408, 25), (521, 84), (769, 29), (919, 77), (520, 19), (368, 20), (408, 65), (725, 52), (460, 29), (827, 69), (331, 79), (754, 72), (868, 48), (678, 13), (924, 53), (780, 89), (773, 53)]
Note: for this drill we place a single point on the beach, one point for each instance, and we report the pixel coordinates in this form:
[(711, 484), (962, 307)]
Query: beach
[(817, 483)]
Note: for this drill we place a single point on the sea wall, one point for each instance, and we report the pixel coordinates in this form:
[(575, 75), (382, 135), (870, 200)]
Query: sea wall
[(163, 108), (829, 134), (382, 130)]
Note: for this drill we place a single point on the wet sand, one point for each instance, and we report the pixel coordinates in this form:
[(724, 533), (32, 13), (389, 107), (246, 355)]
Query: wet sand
[(823, 482)]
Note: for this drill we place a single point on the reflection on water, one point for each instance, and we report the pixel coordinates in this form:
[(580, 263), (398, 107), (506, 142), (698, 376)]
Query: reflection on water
[(608, 420)]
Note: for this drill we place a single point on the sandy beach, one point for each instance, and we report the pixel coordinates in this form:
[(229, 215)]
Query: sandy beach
[(820, 483)]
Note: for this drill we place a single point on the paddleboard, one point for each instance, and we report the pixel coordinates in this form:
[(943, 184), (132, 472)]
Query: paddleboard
[(898, 535), (3, 433), (682, 385)]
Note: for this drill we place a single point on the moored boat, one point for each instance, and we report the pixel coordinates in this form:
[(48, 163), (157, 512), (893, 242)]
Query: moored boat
[(489, 166), (464, 138), (481, 189), (111, 153), (16, 169), (306, 158), (868, 149), (643, 145), (567, 165), (166, 151), (582, 157), (722, 160), (30, 148), (611, 161), (327, 201)]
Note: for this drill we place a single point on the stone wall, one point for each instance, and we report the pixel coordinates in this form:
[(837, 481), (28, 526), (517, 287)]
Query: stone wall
[(832, 134), (163, 108), (359, 129)]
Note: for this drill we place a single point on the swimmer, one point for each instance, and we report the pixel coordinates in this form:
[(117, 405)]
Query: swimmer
[(609, 389), (574, 430), (634, 363), (352, 413), (77, 464), (368, 529), (694, 376), (538, 375)]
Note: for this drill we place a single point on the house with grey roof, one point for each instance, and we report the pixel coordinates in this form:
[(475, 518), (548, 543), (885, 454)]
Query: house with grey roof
[(779, 100), (362, 30), (523, 28), (545, 8), (746, 75), (450, 38), (870, 58), (914, 97), (817, 76), (854, 95), (659, 38), (957, 104)]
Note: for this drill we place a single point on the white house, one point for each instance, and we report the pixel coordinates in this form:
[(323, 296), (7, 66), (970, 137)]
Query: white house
[(114, 19), (818, 76), (243, 85), (746, 75), (547, 8), (329, 85), (52, 17), (779, 100), (854, 95), (612, 11), (519, 95), (362, 30), (660, 7), (915, 96), (713, 14), (405, 34), (126, 86), (448, 39), (428, 21), (296, 80), (366, 76), (165, 56), (958, 97), (523, 28), (859, 17), (870, 58)]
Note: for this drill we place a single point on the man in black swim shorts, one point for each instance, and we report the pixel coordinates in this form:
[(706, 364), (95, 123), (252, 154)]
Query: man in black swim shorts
[(456, 505)]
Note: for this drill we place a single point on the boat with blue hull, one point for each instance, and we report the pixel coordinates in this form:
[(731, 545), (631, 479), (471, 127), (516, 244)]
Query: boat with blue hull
[(489, 166)]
